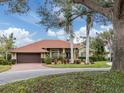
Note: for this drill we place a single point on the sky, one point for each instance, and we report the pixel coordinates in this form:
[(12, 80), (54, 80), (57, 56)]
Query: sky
[(26, 29)]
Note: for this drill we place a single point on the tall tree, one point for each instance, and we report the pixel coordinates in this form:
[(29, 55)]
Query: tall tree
[(89, 24), (6, 44), (116, 14), (97, 44), (52, 19), (107, 38), (70, 13), (16, 6)]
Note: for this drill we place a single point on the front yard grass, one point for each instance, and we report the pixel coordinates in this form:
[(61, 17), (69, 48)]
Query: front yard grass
[(100, 64), (4, 68), (79, 82)]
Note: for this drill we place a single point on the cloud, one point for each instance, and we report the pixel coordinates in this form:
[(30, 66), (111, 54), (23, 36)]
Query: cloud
[(51, 33), (106, 27), (60, 34), (57, 33), (81, 34), (22, 36)]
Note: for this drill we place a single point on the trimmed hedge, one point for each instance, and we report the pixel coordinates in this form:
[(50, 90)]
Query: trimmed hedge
[(95, 58)]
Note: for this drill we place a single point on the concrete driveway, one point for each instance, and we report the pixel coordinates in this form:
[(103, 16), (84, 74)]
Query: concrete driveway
[(27, 66), (11, 76)]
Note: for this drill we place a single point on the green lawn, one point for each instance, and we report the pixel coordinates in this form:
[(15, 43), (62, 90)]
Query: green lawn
[(101, 64), (81, 82), (4, 67)]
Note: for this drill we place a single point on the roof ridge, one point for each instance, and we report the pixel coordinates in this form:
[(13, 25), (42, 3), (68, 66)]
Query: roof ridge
[(40, 42)]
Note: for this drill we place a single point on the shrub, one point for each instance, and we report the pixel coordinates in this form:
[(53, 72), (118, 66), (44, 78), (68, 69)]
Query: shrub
[(3, 61), (82, 58), (98, 58), (48, 60), (42, 60), (13, 61), (95, 58)]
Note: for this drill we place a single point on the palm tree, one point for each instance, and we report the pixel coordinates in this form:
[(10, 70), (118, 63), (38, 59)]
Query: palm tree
[(6, 44), (89, 24), (70, 12), (68, 26)]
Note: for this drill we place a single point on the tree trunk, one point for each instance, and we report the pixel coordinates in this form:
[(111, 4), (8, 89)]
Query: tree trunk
[(72, 53), (87, 47), (118, 58), (118, 24), (6, 54), (71, 43), (118, 46)]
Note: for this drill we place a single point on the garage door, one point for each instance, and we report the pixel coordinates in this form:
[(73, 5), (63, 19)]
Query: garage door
[(28, 58)]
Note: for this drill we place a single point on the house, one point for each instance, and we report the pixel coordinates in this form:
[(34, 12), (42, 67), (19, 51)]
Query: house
[(37, 51), (82, 52)]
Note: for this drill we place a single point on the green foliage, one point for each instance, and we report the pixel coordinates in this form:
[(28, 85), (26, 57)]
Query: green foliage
[(98, 45), (62, 16), (79, 82), (3, 61), (105, 3), (102, 40), (6, 44), (13, 61), (16, 6), (95, 58), (48, 60), (98, 58)]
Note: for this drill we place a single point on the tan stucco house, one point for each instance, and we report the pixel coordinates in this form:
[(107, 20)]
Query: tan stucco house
[(36, 51)]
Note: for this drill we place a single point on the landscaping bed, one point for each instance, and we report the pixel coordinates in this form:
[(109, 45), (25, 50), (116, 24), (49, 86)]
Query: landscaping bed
[(80, 82), (4, 68), (100, 64)]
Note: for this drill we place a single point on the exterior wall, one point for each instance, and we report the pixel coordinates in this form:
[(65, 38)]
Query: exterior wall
[(44, 55), (41, 55), (67, 52), (82, 52), (14, 56), (76, 53)]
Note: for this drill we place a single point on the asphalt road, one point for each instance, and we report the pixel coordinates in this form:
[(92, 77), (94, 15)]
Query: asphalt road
[(12, 76)]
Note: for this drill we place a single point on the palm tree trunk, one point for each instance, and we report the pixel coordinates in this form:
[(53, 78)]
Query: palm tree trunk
[(72, 53), (87, 48), (6, 54), (89, 24)]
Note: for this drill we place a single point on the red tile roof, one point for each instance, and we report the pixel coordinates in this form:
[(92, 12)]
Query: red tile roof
[(37, 47)]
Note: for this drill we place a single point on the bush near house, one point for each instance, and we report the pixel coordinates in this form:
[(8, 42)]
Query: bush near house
[(94, 58), (3, 61), (47, 60)]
